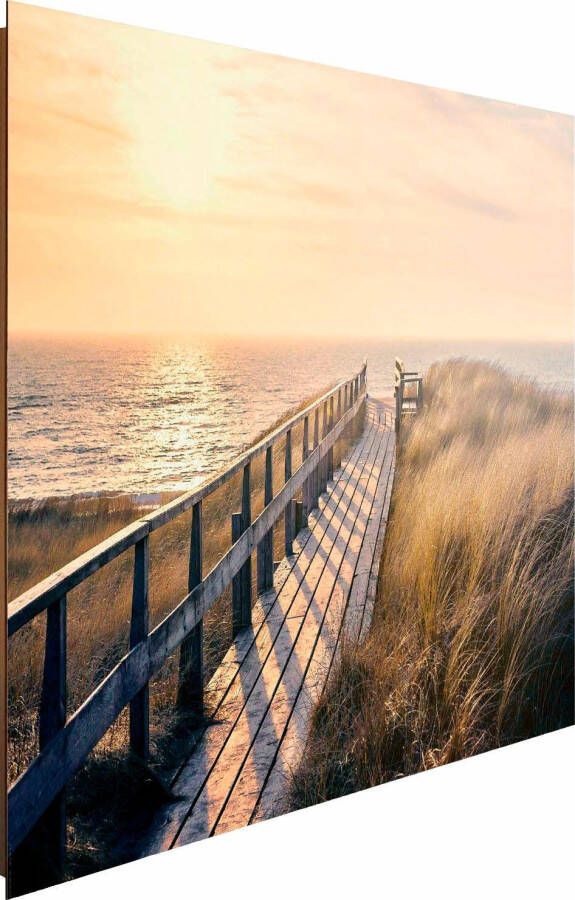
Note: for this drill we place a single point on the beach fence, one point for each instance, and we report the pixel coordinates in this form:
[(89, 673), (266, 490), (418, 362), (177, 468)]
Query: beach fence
[(37, 799)]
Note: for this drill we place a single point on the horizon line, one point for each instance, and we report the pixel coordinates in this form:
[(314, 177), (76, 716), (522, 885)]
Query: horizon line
[(178, 336)]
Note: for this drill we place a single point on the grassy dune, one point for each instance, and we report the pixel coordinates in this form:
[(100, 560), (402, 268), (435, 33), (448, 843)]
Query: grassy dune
[(43, 536), (471, 645)]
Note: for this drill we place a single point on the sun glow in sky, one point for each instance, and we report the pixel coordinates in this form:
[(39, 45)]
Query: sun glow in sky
[(159, 184)]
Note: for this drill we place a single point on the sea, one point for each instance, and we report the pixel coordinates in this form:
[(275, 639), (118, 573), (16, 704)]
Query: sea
[(142, 415)]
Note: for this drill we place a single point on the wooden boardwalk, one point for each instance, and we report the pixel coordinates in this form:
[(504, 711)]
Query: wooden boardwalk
[(259, 701), (261, 696)]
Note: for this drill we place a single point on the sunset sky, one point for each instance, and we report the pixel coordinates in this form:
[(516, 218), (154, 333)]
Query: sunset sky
[(159, 184)]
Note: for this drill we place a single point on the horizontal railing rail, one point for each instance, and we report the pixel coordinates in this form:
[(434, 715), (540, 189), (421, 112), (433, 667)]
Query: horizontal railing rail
[(39, 597), (37, 797)]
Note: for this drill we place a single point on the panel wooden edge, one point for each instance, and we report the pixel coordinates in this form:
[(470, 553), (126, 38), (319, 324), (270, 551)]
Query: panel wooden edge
[(3, 452)]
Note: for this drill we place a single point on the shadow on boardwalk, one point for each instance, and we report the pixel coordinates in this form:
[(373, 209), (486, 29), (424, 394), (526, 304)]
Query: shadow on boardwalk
[(264, 691)]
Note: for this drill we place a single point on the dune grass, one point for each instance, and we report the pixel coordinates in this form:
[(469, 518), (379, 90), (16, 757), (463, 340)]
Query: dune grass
[(471, 644), (112, 788)]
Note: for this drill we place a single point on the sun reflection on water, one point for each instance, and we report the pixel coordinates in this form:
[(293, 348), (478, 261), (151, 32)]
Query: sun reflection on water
[(144, 415)]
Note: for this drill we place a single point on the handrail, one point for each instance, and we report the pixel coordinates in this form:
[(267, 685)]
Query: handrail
[(37, 598), (35, 800)]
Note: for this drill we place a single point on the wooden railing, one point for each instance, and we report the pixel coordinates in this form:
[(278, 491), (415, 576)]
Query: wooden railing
[(36, 801), (406, 403)]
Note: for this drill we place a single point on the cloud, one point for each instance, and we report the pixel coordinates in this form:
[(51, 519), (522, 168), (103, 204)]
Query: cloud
[(322, 194), (465, 200), (257, 181)]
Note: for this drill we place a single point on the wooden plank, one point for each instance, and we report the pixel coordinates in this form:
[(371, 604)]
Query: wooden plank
[(369, 549), (328, 596), (375, 568), (272, 796), (272, 799), (243, 662), (296, 572), (270, 681), (288, 579)]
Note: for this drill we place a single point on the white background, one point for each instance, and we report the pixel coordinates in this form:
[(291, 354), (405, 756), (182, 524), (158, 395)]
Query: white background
[(498, 825)]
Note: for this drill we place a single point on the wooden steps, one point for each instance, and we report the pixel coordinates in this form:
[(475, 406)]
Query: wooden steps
[(262, 694)]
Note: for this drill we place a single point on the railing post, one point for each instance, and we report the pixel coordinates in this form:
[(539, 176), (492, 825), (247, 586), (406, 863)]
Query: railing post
[(337, 456), (237, 598), (289, 510), (140, 705), (398, 404), (305, 494), (242, 583), (363, 395), (53, 702), (247, 566), (330, 451), (52, 720), (265, 574), (298, 514), (356, 417), (323, 465), (40, 859), (315, 476), (191, 674)]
